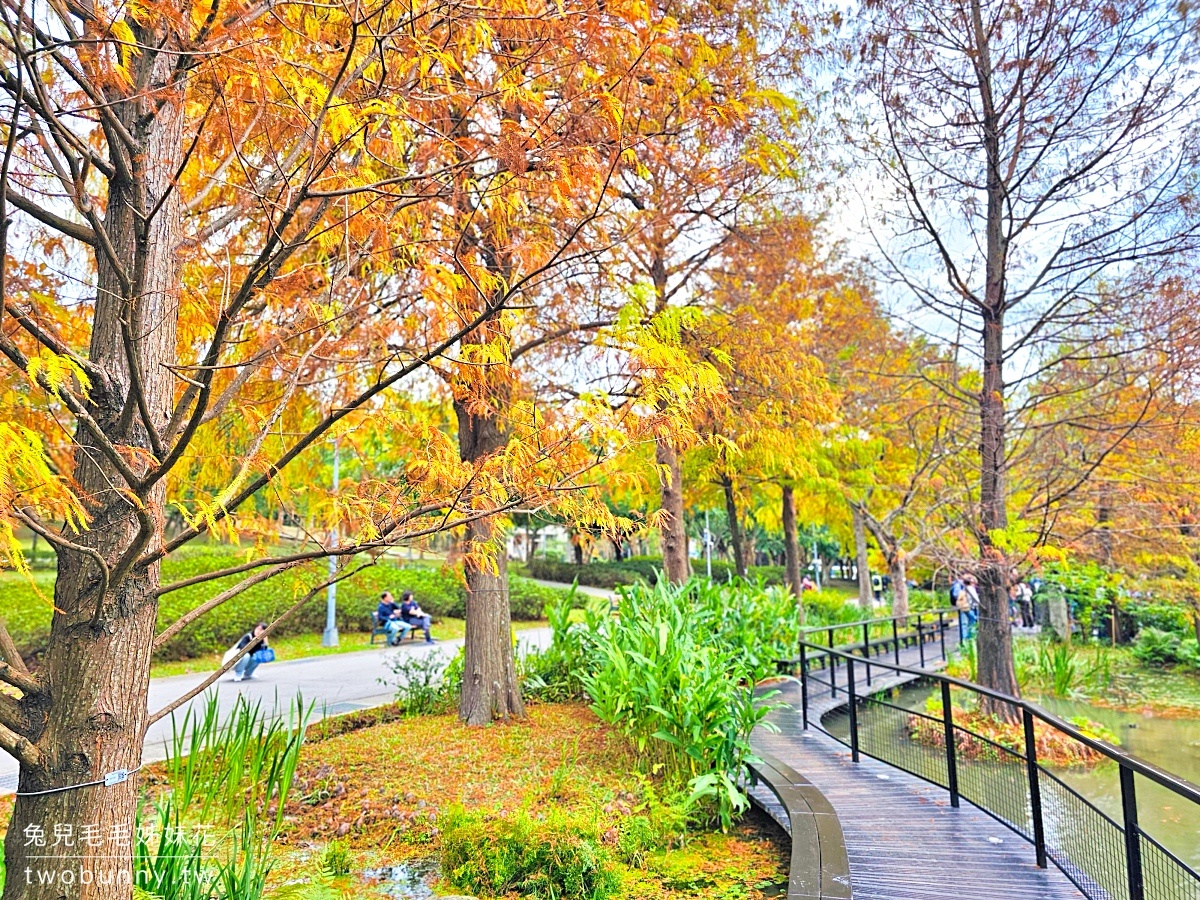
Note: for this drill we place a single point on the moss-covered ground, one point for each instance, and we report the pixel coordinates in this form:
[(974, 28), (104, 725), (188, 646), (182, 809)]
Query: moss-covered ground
[(385, 789)]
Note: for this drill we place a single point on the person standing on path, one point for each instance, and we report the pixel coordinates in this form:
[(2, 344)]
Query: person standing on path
[(971, 587)]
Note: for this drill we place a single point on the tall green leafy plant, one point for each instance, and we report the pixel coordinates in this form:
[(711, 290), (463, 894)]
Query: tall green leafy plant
[(675, 670)]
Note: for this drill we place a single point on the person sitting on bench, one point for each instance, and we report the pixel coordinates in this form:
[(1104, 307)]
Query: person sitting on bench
[(412, 613), (389, 616)]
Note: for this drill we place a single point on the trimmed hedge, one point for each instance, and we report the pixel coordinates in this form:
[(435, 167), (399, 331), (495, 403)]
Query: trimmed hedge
[(614, 573), (441, 593)]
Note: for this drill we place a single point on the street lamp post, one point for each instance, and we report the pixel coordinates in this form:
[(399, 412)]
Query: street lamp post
[(816, 564), (707, 547), (330, 637)]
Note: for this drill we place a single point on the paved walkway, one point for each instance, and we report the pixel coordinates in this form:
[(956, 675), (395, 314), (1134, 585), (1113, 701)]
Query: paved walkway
[(903, 839), (337, 683)]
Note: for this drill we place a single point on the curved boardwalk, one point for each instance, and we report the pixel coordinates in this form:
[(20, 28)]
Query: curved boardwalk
[(903, 839)]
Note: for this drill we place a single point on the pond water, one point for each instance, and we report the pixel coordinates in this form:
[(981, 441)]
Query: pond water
[(1169, 743), (1172, 744), (408, 880)]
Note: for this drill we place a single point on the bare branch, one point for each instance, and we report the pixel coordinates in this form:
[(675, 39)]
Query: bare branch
[(8, 650), (20, 747)]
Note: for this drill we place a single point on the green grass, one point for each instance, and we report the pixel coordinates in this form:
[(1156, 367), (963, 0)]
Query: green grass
[(1110, 676)]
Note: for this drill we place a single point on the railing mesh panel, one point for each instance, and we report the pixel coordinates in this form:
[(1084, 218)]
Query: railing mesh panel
[(1164, 876), (878, 721), (1082, 841), (996, 781)]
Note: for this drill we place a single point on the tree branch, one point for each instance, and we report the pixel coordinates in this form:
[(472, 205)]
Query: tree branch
[(287, 614), (20, 747), (22, 681), (8, 649), (58, 223)]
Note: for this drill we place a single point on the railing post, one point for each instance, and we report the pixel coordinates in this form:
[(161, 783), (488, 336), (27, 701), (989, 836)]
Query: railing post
[(951, 746), (942, 631), (920, 641), (832, 666), (853, 709), (1133, 837), (867, 649), (961, 635), (896, 640), (1035, 790), (804, 684)]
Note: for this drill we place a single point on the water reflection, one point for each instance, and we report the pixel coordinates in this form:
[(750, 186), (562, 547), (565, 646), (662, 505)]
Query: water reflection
[(407, 881)]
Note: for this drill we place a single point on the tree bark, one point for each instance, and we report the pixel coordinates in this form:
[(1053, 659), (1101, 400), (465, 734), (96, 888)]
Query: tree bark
[(898, 572), (735, 526), (674, 534), (994, 644), (1104, 526), (866, 595), (89, 718), (791, 548), (490, 689)]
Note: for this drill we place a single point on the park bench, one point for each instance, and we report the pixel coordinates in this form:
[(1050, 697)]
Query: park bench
[(378, 629), (820, 866)]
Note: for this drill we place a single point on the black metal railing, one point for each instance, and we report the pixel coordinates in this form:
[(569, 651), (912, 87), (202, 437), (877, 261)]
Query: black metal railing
[(1107, 857), (886, 636)]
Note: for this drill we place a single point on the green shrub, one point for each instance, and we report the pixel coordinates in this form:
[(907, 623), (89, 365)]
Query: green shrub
[(560, 858), (440, 592), (1160, 616), (723, 572), (1163, 648), (426, 684), (528, 599), (612, 574), (596, 574)]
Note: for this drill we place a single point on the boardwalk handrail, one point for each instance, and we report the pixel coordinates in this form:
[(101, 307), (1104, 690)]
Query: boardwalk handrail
[(1105, 858)]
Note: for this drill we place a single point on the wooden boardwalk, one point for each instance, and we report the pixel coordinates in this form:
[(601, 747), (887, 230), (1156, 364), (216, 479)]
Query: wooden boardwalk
[(903, 839)]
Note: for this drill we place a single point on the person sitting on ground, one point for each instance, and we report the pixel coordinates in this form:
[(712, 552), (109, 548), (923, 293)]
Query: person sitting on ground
[(252, 660), (412, 613), (390, 617), (806, 584)]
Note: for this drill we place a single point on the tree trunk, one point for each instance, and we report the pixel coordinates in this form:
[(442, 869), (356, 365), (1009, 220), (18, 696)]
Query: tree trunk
[(490, 689), (898, 572), (866, 595), (735, 527), (674, 534), (1104, 526), (1060, 615), (577, 547), (791, 548), (90, 717), (994, 644)]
